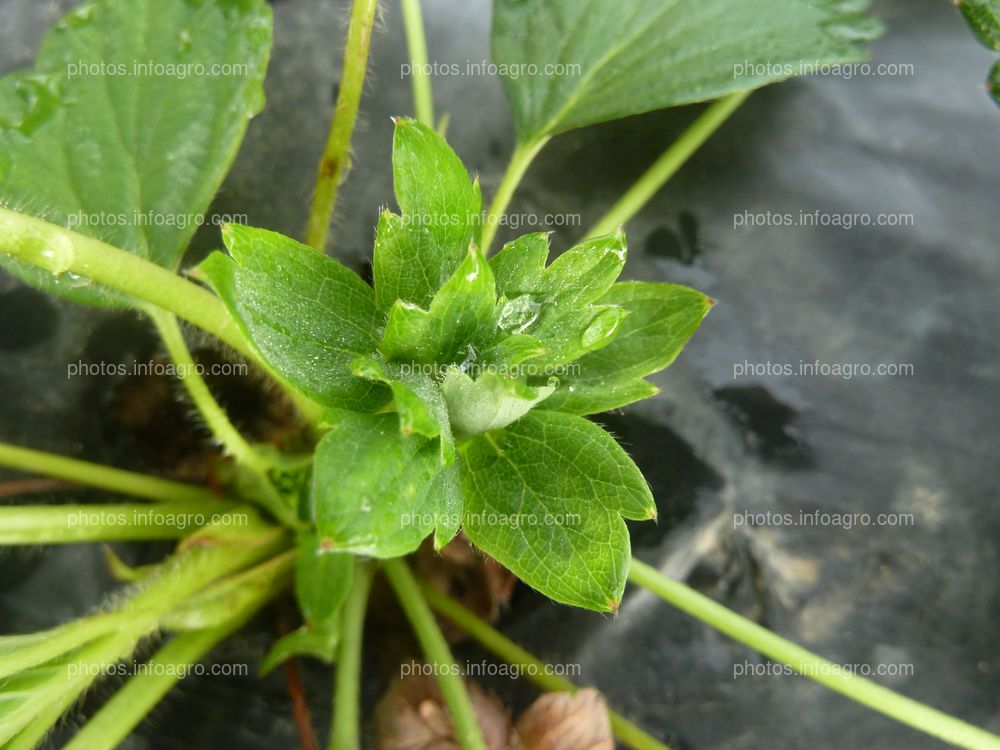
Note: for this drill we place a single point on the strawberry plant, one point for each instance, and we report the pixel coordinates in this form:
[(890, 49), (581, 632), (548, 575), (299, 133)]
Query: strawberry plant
[(452, 394)]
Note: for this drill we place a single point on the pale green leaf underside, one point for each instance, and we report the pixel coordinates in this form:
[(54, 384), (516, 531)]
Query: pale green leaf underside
[(546, 496), (133, 159), (640, 55)]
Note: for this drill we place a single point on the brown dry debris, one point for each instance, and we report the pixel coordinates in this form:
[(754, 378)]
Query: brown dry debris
[(412, 716)]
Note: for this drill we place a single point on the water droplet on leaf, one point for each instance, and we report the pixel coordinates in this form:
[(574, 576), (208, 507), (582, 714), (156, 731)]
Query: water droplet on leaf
[(601, 328), (53, 253), (517, 315)]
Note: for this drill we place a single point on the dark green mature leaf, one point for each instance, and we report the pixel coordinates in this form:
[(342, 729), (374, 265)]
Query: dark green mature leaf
[(983, 17), (307, 315), (660, 320), (441, 215), (993, 82), (376, 492), (639, 55), (545, 497), (322, 578), (131, 155)]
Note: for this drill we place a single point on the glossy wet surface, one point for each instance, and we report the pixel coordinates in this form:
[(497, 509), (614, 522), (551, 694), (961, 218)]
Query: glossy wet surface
[(743, 438)]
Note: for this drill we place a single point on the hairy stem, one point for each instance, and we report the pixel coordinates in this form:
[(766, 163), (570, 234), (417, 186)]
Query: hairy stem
[(668, 163), (437, 652), (216, 418), (60, 250), (214, 415), (917, 715), (128, 706), (103, 477), (423, 100), (336, 156), (109, 727), (520, 160), (532, 667), (67, 524), (345, 730)]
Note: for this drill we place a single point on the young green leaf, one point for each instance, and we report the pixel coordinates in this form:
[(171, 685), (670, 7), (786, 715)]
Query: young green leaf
[(461, 315), (120, 132), (318, 641), (612, 60), (322, 579), (489, 402), (545, 496), (660, 320), (416, 252), (307, 315), (376, 492), (554, 304), (418, 400)]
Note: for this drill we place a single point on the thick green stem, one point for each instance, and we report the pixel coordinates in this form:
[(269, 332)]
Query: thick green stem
[(345, 731), (103, 477), (336, 156), (109, 727), (520, 160), (416, 42), (67, 524), (531, 666), (667, 165), (60, 250), (437, 652), (917, 715)]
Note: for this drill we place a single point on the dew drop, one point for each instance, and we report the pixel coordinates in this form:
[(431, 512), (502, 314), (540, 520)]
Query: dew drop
[(470, 358), (602, 327), (853, 28), (517, 315), (75, 280), (53, 253)]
